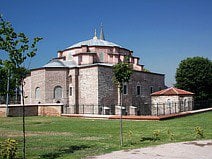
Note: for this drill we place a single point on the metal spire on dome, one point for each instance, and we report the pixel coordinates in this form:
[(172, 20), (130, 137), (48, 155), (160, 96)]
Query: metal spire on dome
[(102, 37), (95, 37)]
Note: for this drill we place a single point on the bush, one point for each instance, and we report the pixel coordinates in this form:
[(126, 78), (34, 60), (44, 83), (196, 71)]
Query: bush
[(156, 134), (170, 134), (199, 132), (8, 149)]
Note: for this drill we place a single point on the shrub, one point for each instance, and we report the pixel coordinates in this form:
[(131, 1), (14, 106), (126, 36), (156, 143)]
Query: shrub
[(170, 134), (156, 134), (129, 136), (199, 132), (8, 149)]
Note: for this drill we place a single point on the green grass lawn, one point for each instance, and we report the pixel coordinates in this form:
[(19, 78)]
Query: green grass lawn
[(62, 137)]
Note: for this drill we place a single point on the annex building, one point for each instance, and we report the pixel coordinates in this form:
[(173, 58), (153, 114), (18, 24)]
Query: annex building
[(81, 78)]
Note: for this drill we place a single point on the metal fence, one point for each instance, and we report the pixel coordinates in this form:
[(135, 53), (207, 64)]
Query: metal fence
[(140, 109), (89, 109), (112, 109), (202, 104)]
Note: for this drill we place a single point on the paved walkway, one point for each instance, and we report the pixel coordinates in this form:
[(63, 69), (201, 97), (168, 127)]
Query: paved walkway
[(182, 150)]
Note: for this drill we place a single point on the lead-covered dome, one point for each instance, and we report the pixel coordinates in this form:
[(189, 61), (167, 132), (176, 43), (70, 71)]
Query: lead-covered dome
[(94, 42)]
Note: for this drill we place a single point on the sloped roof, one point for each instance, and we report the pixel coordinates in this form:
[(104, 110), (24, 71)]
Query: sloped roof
[(171, 91), (58, 63)]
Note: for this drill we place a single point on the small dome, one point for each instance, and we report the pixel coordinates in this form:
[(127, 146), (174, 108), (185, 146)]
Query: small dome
[(94, 42)]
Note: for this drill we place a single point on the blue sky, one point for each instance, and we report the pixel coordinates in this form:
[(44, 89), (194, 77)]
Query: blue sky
[(160, 32)]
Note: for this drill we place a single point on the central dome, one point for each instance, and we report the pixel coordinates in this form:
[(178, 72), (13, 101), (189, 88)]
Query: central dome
[(94, 42)]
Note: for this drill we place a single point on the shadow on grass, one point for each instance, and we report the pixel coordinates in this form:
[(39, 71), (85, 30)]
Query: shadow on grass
[(149, 139), (61, 152)]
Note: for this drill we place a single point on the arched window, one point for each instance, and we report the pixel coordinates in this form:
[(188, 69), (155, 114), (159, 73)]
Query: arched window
[(169, 103), (70, 79), (57, 92), (185, 103), (151, 89), (138, 90), (37, 93), (125, 89)]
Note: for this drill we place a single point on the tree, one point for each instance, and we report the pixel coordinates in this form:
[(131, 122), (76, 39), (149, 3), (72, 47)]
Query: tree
[(146, 70), (19, 49), (3, 82), (195, 75), (122, 73), (13, 74)]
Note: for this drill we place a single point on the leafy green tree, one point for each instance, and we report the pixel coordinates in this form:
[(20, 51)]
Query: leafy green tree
[(14, 74), (3, 84), (146, 70), (122, 73), (3, 81), (195, 75), (19, 49)]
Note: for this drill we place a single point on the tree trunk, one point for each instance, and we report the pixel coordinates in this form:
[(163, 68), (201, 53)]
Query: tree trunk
[(121, 124), (23, 118)]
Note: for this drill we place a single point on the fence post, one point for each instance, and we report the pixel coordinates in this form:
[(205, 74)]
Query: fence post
[(83, 111), (184, 106), (100, 109), (193, 104), (175, 109), (164, 112), (93, 109), (157, 109)]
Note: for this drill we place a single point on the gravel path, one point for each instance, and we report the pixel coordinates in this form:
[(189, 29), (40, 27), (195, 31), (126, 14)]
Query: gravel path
[(182, 150)]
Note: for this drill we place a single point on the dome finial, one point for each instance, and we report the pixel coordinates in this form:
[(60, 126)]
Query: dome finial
[(102, 37), (95, 37)]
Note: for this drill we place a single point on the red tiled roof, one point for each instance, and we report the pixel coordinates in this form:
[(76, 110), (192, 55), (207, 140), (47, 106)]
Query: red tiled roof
[(172, 91)]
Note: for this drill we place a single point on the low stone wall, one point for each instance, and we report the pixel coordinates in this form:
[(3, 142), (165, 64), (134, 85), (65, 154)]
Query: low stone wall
[(53, 109), (2, 111), (32, 110), (16, 110)]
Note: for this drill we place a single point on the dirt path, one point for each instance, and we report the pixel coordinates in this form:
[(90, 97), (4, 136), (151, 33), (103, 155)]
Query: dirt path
[(182, 150)]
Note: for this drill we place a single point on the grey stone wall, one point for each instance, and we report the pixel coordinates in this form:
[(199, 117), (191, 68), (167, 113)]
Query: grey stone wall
[(145, 81), (17, 110), (88, 85), (46, 79), (27, 90), (36, 79), (91, 85), (107, 91), (32, 110), (56, 77), (73, 77), (108, 94)]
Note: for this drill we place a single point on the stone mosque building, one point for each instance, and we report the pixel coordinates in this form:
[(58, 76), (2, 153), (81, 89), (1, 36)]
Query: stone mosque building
[(81, 76)]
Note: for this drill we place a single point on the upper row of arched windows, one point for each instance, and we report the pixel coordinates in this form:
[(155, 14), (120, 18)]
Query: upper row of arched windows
[(57, 92)]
